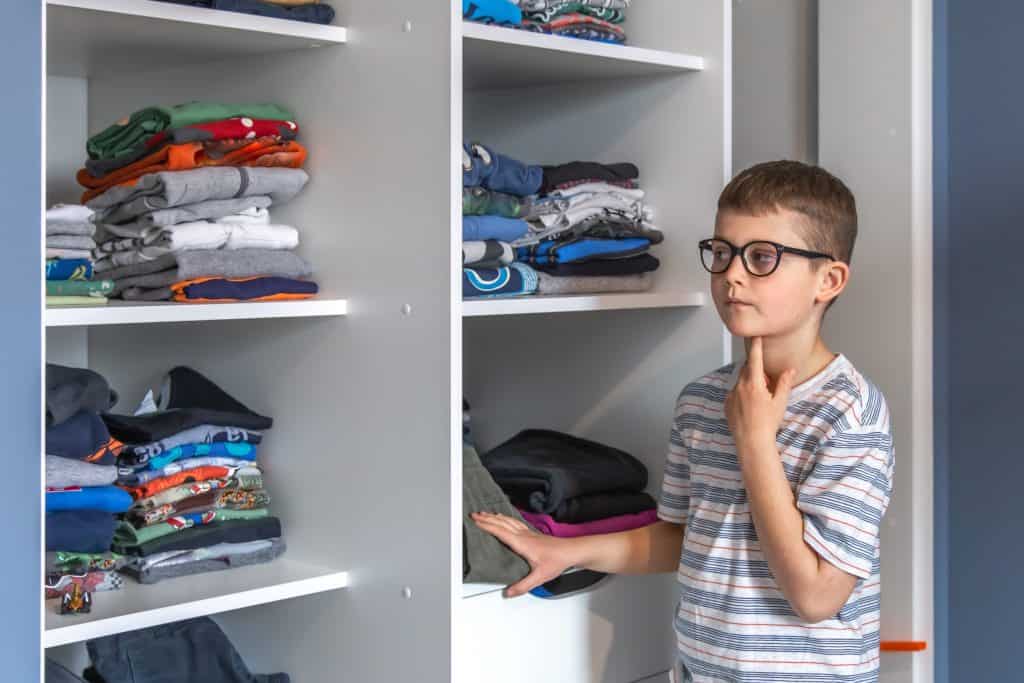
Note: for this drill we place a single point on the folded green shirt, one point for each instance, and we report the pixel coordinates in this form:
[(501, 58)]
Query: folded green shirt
[(127, 536), (127, 135)]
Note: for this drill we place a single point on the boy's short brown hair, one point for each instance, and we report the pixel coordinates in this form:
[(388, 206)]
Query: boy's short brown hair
[(828, 205)]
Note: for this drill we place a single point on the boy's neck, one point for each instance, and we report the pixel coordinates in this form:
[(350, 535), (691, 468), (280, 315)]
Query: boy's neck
[(808, 355)]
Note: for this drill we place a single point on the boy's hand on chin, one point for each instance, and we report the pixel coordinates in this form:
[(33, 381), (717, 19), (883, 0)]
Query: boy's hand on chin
[(753, 409)]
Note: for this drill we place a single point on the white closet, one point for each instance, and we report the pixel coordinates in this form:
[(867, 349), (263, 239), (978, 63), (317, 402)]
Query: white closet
[(365, 382)]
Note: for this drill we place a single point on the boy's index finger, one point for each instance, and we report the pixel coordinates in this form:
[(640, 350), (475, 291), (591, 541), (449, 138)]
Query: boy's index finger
[(755, 359)]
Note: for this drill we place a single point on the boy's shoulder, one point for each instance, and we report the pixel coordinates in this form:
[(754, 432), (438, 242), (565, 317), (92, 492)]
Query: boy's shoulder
[(712, 386), (851, 400)]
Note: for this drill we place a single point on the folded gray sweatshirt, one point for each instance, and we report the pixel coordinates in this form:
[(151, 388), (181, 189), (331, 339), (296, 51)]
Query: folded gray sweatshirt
[(169, 189)]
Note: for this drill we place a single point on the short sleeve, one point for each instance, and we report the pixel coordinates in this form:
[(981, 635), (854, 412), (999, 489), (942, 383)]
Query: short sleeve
[(845, 496), (674, 503)]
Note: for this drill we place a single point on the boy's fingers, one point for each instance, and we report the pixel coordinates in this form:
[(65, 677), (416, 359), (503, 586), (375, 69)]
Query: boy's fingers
[(525, 585), (755, 358)]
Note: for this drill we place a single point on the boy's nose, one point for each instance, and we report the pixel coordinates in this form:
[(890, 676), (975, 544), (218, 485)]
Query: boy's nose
[(736, 272)]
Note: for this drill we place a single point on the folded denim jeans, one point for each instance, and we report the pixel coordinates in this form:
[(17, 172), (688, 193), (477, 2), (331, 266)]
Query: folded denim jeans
[(191, 650), (482, 166)]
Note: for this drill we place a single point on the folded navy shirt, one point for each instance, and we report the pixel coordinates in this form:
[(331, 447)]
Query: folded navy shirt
[(79, 531), (248, 289), (83, 437), (188, 399), (72, 390), (541, 469)]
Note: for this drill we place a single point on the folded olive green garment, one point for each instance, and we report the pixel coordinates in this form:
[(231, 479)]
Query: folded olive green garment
[(76, 300), (127, 536), (126, 135), (93, 288), (485, 559)]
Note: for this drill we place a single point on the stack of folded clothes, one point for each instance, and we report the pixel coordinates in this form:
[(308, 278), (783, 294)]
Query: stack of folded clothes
[(495, 200), (567, 486), (189, 467), (597, 20), (81, 500), (576, 228), (310, 11), (484, 558), (181, 197), (69, 248)]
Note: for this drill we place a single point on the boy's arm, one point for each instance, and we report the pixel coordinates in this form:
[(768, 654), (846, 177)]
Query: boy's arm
[(648, 550), (814, 588)]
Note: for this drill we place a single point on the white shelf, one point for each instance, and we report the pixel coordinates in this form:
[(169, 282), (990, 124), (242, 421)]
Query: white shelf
[(496, 56), (95, 37), (472, 590), (584, 302), (132, 313), (138, 606)]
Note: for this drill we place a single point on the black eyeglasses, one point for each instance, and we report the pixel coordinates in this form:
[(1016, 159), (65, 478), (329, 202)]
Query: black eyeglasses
[(760, 258)]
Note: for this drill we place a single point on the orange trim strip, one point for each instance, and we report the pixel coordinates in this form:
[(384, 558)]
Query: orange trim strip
[(903, 645)]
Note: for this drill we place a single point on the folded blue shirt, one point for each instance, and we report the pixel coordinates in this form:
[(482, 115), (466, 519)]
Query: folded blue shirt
[(102, 498), (489, 283), (221, 449), (481, 228), (500, 173), (492, 12), (582, 250), (69, 269)]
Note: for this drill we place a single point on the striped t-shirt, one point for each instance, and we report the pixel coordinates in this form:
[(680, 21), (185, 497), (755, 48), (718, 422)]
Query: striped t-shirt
[(733, 623)]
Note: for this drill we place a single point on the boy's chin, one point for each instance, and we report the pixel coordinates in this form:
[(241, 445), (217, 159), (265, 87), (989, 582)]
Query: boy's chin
[(746, 329)]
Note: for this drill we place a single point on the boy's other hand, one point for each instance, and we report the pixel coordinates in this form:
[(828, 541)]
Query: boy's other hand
[(753, 409), (543, 553)]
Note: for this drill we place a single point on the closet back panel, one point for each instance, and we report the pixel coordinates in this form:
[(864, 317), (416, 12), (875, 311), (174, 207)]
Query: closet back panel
[(611, 376), (358, 458)]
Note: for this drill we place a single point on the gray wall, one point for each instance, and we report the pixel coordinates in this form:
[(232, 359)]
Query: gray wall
[(775, 91), (775, 85)]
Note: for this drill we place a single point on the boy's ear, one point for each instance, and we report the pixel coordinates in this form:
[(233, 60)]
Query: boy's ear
[(832, 280)]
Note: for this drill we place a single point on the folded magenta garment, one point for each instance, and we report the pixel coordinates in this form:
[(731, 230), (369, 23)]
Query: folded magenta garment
[(547, 525), (104, 498)]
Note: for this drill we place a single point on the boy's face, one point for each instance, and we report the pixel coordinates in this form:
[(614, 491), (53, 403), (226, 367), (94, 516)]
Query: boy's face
[(776, 304)]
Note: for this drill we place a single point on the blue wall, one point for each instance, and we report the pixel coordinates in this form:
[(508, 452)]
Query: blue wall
[(979, 279), (20, 485), (940, 153)]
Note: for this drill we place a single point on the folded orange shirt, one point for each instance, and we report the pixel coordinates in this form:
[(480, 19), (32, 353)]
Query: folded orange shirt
[(177, 479), (178, 290), (265, 151)]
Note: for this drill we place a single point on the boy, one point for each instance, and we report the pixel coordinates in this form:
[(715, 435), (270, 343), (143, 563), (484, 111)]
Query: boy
[(778, 471)]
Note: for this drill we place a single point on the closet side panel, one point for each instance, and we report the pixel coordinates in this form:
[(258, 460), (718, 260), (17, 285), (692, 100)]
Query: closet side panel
[(870, 136), (21, 353), (357, 462)]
